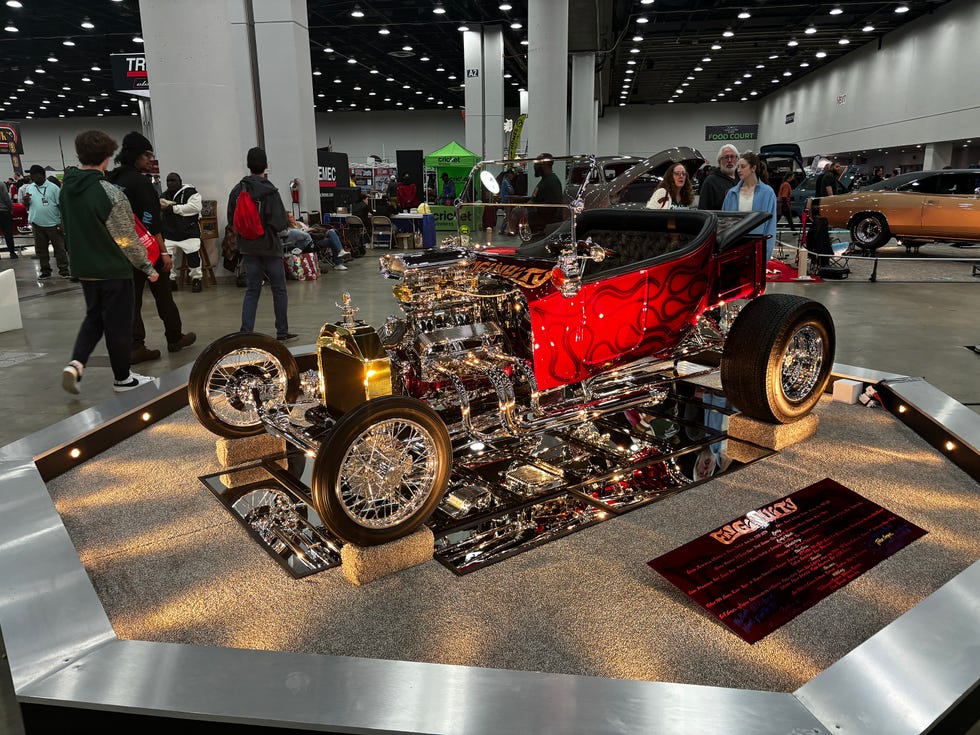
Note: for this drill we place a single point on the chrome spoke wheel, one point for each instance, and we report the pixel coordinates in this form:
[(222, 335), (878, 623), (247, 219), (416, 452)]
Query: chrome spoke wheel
[(387, 473), (802, 363), (232, 379)]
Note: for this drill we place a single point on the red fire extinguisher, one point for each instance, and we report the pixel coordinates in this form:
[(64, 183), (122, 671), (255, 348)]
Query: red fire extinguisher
[(294, 193)]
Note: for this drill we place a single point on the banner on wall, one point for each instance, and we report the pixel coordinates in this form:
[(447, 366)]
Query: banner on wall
[(129, 74), (731, 132), (10, 140)]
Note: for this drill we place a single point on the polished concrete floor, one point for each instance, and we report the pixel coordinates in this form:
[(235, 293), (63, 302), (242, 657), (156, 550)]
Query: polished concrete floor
[(911, 326)]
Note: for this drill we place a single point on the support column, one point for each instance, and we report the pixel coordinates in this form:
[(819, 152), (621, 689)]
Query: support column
[(937, 156), (188, 46), (473, 91), (493, 91), (583, 127), (547, 119)]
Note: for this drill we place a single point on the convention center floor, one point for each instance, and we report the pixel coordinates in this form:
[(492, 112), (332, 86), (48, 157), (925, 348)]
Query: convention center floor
[(915, 320)]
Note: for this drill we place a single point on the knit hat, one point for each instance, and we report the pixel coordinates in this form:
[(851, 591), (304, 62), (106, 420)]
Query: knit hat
[(136, 142)]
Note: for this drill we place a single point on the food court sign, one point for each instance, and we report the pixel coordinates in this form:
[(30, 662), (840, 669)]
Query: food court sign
[(731, 132)]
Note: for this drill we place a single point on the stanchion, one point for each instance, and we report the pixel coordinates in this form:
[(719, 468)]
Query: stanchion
[(802, 260)]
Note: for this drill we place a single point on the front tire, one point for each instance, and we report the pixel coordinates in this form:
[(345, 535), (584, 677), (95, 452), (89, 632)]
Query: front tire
[(869, 231), (778, 357), (382, 471), (223, 376)]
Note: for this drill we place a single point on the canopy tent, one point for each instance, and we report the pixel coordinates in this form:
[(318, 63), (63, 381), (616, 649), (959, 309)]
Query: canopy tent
[(457, 161)]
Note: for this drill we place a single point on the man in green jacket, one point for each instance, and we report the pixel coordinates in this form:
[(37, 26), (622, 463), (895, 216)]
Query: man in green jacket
[(104, 248)]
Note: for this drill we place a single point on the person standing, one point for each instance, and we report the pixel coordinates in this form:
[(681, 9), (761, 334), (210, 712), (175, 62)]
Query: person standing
[(675, 192), (135, 159), (262, 257), (827, 184), (506, 193), (448, 190), (785, 194), (717, 183), (548, 191), (7, 220), (104, 250), (407, 195), (180, 218), (753, 194), (41, 199)]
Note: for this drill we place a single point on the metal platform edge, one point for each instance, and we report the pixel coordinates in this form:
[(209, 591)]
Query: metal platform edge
[(904, 679)]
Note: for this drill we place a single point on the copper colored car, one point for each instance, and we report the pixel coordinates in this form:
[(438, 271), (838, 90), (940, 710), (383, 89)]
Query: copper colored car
[(923, 206)]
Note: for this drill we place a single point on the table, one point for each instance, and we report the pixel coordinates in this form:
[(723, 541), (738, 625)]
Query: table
[(416, 222)]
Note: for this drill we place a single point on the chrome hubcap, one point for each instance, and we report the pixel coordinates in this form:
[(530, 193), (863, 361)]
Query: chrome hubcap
[(234, 376), (801, 364), (868, 230)]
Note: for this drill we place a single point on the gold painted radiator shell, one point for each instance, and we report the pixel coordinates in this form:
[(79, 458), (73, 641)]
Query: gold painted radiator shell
[(353, 366)]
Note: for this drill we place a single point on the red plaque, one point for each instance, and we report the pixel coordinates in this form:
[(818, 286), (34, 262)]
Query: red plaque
[(765, 568)]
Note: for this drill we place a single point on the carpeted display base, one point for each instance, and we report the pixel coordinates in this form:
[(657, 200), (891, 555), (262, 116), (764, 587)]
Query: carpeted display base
[(233, 452), (170, 564), (365, 564), (773, 436)]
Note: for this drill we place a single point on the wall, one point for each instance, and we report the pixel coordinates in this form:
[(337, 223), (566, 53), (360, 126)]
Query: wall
[(41, 139), (382, 132), (920, 86)]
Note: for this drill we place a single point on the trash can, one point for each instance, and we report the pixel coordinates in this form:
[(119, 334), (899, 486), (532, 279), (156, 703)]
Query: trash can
[(428, 230)]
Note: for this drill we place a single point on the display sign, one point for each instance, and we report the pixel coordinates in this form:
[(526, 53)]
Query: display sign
[(10, 140), (731, 132), (514, 144), (333, 168), (129, 74), (790, 117), (762, 570)]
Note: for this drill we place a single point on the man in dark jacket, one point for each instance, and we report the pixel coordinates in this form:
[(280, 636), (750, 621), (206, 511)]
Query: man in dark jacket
[(134, 161), (180, 221), (262, 257), (716, 184), (104, 251)]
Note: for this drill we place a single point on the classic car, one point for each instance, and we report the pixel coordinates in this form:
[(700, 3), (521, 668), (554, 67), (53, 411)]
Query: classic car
[(19, 216), (500, 344), (923, 206), (609, 168), (782, 161)]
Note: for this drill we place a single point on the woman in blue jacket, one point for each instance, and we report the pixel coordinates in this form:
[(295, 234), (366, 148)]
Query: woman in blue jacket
[(753, 194)]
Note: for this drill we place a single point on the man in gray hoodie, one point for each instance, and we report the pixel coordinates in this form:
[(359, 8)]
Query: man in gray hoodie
[(262, 257)]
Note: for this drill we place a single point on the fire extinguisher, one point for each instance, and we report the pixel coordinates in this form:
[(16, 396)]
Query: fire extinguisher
[(294, 194)]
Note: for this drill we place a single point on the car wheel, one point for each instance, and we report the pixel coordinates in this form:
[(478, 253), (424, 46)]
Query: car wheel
[(220, 389), (382, 471), (778, 357), (869, 231)]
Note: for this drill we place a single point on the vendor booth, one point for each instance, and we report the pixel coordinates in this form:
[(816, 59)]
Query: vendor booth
[(455, 160)]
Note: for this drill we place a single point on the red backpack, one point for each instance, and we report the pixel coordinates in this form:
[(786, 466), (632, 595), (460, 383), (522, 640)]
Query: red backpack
[(247, 221)]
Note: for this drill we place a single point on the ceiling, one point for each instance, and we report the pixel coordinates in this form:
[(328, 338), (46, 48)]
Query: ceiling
[(417, 64)]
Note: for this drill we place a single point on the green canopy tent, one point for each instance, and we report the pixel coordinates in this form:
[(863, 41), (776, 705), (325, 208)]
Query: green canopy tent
[(457, 161)]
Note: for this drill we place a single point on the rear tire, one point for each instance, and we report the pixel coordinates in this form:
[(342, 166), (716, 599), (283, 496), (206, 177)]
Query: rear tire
[(778, 357), (869, 231)]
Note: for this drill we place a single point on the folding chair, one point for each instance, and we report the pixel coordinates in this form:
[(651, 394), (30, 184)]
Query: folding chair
[(382, 232), (826, 259), (353, 234)]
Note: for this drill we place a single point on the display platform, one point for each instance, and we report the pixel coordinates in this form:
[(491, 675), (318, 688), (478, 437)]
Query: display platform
[(188, 593)]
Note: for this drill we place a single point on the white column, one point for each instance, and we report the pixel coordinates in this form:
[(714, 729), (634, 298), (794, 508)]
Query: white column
[(188, 46), (937, 155), (282, 39), (523, 101), (548, 77), (582, 128), (493, 91), (473, 90)]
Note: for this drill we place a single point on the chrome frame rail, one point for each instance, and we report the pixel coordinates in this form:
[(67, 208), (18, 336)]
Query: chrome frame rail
[(63, 651)]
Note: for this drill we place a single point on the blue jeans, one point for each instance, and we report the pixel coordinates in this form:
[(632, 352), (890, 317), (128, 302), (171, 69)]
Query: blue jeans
[(256, 268), (109, 312), (336, 246)]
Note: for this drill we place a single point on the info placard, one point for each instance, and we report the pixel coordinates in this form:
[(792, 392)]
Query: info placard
[(765, 568)]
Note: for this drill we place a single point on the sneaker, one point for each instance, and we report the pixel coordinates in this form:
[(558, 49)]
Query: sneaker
[(64, 274), (340, 267), (133, 381), (186, 340), (44, 276), (71, 376), (142, 354), (288, 337), (343, 253), (196, 286)]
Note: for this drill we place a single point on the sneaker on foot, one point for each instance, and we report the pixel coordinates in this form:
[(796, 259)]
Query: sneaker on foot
[(64, 274), (196, 286), (288, 337), (71, 376), (186, 340), (133, 381), (340, 267), (44, 276), (142, 354), (343, 253)]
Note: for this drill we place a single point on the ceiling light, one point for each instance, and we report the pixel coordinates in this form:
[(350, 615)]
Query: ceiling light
[(637, 39), (744, 15), (11, 28), (716, 47), (843, 41), (737, 82), (504, 6), (631, 62), (67, 42), (690, 79), (642, 19), (28, 81), (515, 25), (407, 48), (787, 73), (317, 72), (351, 60), (753, 93), (14, 4), (383, 31), (375, 71), (902, 8), (463, 29), (53, 59), (792, 42), (646, 2), (451, 76), (439, 10), (728, 33), (760, 66), (327, 50), (336, 80), (706, 59), (423, 58), (868, 28), (39, 70), (87, 24), (773, 56), (440, 68), (836, 10), (137, 39), (804, 64), (357, 12), (821, 54), (634, 50), (810, 30)]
